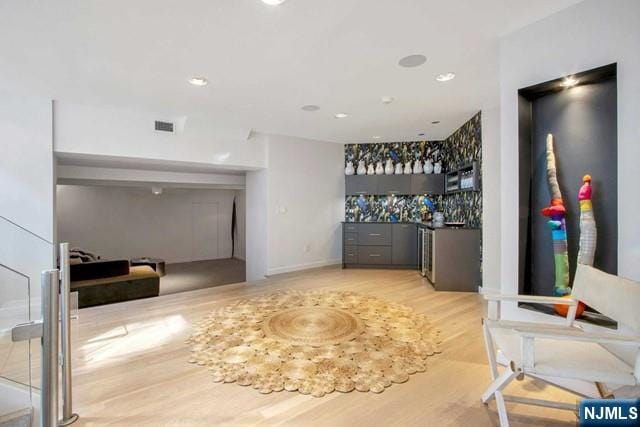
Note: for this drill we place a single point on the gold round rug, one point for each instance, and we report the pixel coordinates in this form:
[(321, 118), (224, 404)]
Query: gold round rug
[(314, 342)]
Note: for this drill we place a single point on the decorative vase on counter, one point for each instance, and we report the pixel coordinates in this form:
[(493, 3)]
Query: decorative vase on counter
[(428, 166), (349, 169), (438, 219), (417, 166), (407, 168), (362, 169), (437, 168), (370, 170), (379, 169), (388, 169), (398, 168)]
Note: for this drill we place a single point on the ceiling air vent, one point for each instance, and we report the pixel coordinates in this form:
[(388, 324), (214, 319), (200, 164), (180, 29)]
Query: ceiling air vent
[(164, 126)]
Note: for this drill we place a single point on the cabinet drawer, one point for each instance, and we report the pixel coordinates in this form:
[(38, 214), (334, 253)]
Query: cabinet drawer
[(350, 255), (374, 234), (374, 255), (350, 228), (350, 239)]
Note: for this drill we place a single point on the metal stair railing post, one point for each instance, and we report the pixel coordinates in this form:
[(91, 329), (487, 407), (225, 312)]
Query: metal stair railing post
[(68, 417), (49, 386)]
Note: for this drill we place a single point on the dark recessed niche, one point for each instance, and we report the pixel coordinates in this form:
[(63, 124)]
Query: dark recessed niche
[(583, 120)]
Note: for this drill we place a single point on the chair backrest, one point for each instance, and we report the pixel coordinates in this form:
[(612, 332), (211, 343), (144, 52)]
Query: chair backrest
[(611, 295)]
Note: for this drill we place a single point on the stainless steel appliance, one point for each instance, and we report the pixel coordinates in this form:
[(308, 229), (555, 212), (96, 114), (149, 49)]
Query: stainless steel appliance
[(426, 263)]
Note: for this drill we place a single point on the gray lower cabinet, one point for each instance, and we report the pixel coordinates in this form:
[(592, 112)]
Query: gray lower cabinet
[(361, 184), (374, 234), (404, 244), (380, 244), (379, 255)]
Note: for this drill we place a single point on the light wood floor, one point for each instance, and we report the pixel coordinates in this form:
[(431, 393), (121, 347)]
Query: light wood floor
[(130, 365)]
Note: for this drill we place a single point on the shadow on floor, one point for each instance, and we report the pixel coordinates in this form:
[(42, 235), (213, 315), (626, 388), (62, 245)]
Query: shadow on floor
[(187, 276)]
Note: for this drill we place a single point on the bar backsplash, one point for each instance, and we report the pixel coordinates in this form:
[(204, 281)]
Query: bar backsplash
[(463, 146)]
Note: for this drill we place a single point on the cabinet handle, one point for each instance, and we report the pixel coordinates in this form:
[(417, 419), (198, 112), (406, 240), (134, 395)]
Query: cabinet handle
[(374, 234), (361, 192), (393, 191), (374, 255), (349, 254)]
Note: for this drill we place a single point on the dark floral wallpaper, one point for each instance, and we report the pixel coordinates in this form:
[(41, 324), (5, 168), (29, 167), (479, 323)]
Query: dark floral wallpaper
[(396, 151), (461, 148)]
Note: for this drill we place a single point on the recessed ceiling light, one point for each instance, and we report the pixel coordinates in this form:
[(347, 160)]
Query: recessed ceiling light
[(310, 107), (435, 122), (412, 61), (445, 77), (198, 81), (569, 81), (387, 100), (376, 137), (156, 190), (341, 115), (421, 134), (273, 2)]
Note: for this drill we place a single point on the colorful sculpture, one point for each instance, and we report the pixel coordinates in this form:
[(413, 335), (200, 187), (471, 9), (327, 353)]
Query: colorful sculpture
[(556, 213), (588, 230)]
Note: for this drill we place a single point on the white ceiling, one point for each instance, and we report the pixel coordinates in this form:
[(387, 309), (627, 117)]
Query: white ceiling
[(265, 62)]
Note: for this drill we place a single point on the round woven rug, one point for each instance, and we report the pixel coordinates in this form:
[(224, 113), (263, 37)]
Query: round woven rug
[(315, 342)]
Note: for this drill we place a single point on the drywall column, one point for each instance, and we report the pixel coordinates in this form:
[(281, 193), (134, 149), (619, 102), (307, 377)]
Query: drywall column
[(256, 225), (491, 200)]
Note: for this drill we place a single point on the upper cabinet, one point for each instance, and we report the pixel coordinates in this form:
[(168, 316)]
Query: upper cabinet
[(394, 184), (361, 185), (427, 184), (465, 178)]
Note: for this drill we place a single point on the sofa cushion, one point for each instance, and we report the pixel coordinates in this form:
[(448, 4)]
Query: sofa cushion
[(98, 269)]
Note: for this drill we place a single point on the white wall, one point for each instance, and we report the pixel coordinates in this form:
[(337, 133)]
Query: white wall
[(26, 192), (26, 217), (590, 34), (305, 203), (82, 130), (124, 222)]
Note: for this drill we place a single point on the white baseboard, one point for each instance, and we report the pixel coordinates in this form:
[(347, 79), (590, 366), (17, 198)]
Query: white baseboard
[(305, 266)]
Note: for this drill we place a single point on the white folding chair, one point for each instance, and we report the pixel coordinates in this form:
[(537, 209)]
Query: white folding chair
[(547, 351)]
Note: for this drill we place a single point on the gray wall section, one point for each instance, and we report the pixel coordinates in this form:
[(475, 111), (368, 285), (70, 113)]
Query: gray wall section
[(583, 121)]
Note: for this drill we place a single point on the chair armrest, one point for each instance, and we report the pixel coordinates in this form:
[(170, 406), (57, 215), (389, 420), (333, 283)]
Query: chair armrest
[(531, 298), (575, 335)]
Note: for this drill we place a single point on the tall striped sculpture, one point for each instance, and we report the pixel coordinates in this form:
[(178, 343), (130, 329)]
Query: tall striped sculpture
[(556, 213), (588, 229)]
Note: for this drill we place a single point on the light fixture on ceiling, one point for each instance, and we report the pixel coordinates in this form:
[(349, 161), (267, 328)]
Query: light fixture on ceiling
[(445, 77), (386, 100), (435, 122), (376, 137), (273, 2), (569, 81), (412, 61), (421, 134), (198, 81), (310, 107), (341, 115), (156, 190)]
